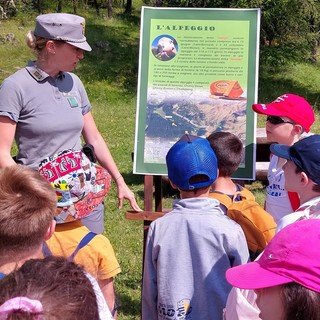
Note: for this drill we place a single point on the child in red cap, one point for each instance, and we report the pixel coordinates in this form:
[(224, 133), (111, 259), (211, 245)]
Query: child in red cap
[(288, 117)]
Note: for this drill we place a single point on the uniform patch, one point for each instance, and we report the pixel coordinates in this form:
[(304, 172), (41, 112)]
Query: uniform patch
[(73, 102)]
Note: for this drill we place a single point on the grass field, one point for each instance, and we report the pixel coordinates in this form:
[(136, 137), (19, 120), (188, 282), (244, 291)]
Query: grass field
[(109, 74)]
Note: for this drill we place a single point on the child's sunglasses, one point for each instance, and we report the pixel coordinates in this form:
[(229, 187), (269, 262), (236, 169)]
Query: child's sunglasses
[(277, 120)]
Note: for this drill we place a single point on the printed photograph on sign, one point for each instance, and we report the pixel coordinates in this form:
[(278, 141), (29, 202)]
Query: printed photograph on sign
[(164, 47)]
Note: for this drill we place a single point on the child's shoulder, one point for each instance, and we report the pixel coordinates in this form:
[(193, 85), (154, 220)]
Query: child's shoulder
[(71, 233), (244, 192), (241, 193)]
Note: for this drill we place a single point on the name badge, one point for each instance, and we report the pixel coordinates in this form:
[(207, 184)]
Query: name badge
[(73, 102)]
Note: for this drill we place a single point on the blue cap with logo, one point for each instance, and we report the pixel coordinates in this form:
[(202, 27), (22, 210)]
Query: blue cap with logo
[(189, 157), (305, 154), (62, 26)]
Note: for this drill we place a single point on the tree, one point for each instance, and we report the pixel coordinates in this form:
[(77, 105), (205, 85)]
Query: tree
[(289, 28), (109, 8), (59, 9), (128, 8)]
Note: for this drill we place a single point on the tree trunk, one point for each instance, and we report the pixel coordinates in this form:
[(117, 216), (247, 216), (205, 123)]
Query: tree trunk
[(98, 5), (39, 6), (109, 8), (74, 4), (128, 9), (314, 45), (314, 53), (59, 6)]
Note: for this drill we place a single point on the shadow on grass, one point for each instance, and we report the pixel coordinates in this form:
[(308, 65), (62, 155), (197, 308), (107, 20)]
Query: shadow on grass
[(130, 18), (271, 85), (128, 306), (115, 54), (134, 179)]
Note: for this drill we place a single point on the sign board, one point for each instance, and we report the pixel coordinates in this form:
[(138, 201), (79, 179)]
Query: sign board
[(198, 73)]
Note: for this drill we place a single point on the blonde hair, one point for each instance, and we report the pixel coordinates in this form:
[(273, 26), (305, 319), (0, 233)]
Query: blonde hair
[(27, 208), (36, 44)]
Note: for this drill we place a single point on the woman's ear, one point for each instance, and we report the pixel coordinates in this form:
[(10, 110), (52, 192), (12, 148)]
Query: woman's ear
[(51, 47)]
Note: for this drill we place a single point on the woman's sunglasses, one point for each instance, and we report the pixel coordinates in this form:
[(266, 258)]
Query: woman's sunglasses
[(277, 120)]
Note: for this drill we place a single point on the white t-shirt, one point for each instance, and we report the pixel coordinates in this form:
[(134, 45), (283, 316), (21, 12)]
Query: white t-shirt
[(277, 199), (104, 312)]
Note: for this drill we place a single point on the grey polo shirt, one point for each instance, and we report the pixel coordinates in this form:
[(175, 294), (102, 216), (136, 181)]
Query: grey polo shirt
[(48, 112)]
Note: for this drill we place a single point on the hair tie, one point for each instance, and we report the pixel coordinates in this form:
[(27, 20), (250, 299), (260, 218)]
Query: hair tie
[(23, 304)]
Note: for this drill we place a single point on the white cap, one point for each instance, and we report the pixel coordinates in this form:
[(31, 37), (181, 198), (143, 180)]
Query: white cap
[(62, 26)]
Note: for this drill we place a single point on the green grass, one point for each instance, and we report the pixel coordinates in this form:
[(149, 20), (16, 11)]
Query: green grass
[(109, 74), (302, 79)]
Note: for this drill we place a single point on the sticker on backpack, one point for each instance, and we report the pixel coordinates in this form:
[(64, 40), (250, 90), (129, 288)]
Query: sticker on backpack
[(80, 184)]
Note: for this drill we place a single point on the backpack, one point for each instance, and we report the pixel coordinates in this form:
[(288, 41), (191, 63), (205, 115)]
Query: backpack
[(257, 224), (80, 184)]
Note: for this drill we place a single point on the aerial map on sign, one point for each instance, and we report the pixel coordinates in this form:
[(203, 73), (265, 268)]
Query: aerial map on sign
[(170, 113)]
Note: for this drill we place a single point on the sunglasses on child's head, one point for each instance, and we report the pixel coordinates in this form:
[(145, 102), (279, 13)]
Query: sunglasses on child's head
[(277, 120)]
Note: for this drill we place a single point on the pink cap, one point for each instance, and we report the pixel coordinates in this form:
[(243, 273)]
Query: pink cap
[(289, 105), (293, 255)]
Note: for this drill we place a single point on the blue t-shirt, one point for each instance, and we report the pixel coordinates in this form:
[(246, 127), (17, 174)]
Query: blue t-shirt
[(2, 275)]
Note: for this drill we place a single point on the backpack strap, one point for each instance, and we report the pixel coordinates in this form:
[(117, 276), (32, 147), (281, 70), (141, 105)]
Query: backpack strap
[(222, 198), (84, 241), (45, 250)]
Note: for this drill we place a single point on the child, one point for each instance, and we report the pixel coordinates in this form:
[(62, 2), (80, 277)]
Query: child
[(286, 276), (229, 149), (97, 257), (81, 186), (27, 209), (50, 288), (302, 175), (287, 118), (189, 249), (236, 201)]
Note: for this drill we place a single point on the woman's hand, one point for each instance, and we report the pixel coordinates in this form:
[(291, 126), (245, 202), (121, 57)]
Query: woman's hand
[(125, 193)]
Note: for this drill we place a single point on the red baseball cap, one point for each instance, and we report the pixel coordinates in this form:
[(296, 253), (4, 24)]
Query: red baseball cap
[(289, 105), (293, 255)]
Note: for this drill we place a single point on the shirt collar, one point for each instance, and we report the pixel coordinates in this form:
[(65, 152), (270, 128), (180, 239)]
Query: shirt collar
[(37, 73)]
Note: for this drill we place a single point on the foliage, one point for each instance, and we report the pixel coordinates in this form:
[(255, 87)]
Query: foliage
[(288, 27), (12, 8)]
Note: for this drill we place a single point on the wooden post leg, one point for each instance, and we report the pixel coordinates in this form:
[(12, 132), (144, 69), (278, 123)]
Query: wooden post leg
[(148, 206), (158, 193)]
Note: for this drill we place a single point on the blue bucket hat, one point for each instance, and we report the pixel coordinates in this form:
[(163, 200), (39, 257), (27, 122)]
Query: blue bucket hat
[(189, 157), (62, 26), (305, 154)]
